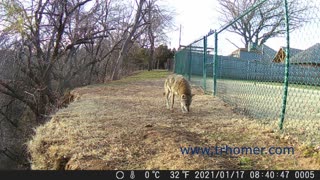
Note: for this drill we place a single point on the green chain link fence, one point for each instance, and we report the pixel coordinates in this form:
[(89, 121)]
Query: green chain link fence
[(275, 85)]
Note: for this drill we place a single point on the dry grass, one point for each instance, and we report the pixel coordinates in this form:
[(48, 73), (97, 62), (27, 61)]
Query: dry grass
[(125, 125)]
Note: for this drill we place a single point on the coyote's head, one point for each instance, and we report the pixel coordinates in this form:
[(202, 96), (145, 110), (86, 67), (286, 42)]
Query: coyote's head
[(186, 102)]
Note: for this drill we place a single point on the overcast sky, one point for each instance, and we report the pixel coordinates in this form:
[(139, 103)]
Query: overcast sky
[(197, 17)]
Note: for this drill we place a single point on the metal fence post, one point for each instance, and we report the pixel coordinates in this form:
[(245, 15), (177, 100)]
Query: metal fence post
[(215, 63), (285, 84), (205, 63), (189, 63), (175, 62)]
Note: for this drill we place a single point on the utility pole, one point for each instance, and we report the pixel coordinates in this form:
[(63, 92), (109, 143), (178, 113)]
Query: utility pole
[(180, 37)]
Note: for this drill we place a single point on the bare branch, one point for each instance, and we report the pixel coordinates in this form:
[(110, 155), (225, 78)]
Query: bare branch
[(264, 22)]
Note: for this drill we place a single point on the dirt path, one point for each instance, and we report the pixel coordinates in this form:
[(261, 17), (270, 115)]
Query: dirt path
[(126, 126)]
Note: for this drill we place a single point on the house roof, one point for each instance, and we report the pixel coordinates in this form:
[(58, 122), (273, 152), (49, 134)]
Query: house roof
[(310, 55), (280, 55), (268, 52), (263, 52), (237, 52), (293, 51)]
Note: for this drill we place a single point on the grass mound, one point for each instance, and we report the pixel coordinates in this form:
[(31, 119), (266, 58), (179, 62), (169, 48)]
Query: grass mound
[(125, 125)]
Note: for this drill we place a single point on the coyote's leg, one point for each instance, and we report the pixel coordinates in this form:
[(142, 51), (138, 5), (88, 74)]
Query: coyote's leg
[(172, 100), (167, 94)]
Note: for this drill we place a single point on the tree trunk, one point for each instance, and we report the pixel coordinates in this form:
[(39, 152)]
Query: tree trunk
[(151, 37), (117, 68), (151, 57), (116, 72)]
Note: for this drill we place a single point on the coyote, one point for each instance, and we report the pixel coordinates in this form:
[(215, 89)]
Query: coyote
[(177, 85)]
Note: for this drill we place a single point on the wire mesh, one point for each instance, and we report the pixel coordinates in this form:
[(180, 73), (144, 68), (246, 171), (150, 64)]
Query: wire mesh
[(252, 77), (303, 104)]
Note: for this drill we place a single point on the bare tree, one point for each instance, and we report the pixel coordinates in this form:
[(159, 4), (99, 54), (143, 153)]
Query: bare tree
[(151, 37), (159, 19), (62, 44), (48, 47), (264, 22), (58, 42), (40, 29), (129, 36)]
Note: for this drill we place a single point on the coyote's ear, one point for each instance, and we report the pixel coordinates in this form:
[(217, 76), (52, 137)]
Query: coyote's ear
[(183, 96)]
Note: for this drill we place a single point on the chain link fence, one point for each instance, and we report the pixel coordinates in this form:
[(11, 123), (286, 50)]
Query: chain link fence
[(277, 82)]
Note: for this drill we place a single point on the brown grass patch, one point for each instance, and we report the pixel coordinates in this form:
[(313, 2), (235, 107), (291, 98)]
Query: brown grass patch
[(125, 125)]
